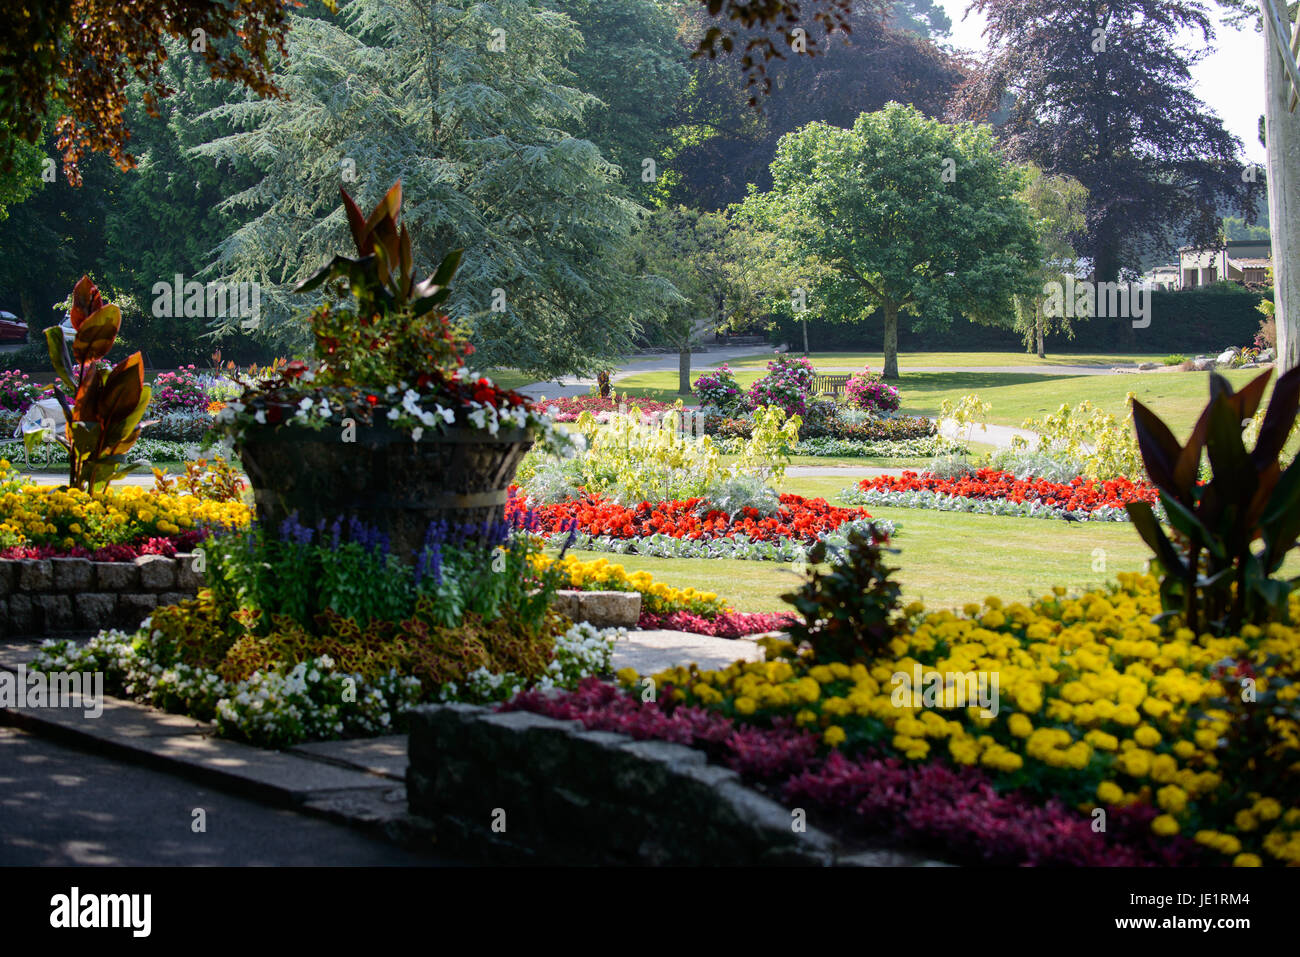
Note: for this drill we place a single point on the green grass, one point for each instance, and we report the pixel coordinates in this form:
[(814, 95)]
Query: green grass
[(945, 559), (876, 360), (510, 378)]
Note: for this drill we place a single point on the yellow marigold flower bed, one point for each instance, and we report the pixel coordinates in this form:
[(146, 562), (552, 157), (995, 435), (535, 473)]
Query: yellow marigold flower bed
[(42, 515), (1091, 703), (660, 599)]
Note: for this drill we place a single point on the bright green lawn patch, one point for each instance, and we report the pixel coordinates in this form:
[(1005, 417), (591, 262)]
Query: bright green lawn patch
[(510, 378), (922, 359), (945, 559)]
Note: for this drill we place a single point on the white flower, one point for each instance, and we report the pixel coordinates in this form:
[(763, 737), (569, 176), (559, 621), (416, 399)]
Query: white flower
[(393, 414), (448, 415), (260, 417), (416, 433)]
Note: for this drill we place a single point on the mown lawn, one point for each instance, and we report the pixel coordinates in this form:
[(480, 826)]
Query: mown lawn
[(923, 359), (944, 559)]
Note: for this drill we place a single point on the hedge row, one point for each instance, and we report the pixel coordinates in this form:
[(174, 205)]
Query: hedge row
[(1190, 322)]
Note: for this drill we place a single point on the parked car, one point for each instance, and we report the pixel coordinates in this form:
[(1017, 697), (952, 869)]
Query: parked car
[(12, 329)]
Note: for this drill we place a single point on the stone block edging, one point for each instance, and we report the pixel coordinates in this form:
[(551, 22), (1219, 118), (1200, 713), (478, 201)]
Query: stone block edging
[(49, 596), (519, 787)]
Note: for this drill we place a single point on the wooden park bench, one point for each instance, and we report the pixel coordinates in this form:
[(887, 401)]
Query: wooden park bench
[(830, 384)]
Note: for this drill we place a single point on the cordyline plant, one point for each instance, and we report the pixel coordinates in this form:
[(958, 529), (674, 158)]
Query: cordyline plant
[(1212, 573), (393, 330), (103, 421)]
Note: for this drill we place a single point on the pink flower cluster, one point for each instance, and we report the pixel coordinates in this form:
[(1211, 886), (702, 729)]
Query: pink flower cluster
[(179, 391), (726, 624)]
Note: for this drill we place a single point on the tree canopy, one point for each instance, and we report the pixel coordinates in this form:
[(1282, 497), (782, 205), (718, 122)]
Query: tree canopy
[(908, 214), (1103, 93)]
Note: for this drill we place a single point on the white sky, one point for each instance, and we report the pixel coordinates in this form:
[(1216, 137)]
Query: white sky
[(1230, 81)]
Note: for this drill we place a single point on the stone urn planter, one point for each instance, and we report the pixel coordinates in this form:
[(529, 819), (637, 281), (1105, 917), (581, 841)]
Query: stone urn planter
[(384, 479)]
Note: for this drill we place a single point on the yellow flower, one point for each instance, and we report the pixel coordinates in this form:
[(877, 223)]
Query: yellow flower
[(1165, 825), (1172, 798), (1147, 736), (1247, 860), (834, 735), (1019, 725), (745, 705), (1108, 792)]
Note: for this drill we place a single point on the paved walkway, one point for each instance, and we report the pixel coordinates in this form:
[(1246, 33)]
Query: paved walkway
[(65, 806)]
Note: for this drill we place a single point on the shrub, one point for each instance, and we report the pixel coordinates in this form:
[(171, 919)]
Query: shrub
[(17, 392), (1023, 463), (1106, 446), (1174, 360), (787, 385), (179, 391), (720, 390), (868, 391), (850, 610), (949, 466)]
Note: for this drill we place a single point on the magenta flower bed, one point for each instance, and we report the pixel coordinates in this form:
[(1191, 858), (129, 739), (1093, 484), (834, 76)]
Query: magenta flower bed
[(167, 546), (727, 624), (952, 812)]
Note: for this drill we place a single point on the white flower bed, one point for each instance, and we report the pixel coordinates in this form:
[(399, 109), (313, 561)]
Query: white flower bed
[(311, 700)]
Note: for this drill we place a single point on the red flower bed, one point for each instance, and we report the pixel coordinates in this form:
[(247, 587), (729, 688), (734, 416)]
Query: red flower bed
[(570, 409), (799, 519), (727, 624), (1077, 495), (952, 812), (167, 546)]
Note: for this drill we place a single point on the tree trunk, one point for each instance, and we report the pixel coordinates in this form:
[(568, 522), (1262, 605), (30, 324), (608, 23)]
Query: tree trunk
[(684, 372), (891, 341), (805, 337), (1038, 329), (1282, 141)]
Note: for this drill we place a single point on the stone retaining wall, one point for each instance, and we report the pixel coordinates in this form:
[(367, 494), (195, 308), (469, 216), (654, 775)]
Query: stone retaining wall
[(520, 787), (53, 595)]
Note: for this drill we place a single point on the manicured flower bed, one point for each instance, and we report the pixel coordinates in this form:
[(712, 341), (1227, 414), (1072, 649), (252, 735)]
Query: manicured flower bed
[(300, 698), (1095, 707), (568, 410), (953, 812), (168, 546), (70, 522), (690, 528), (895, 429), (1001, 493), (724, 624), (823, 446)]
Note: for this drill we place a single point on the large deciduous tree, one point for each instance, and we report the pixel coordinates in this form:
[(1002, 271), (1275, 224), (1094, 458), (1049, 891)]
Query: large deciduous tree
[(724, 145), (468, 104), (78, 57), (910, 215), (1103, 92)]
